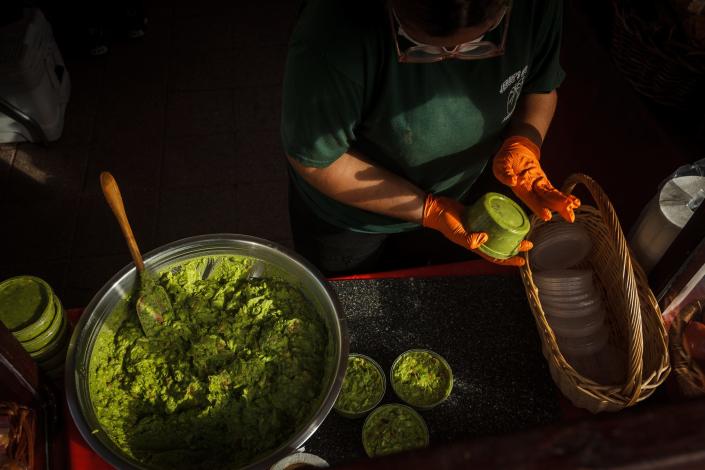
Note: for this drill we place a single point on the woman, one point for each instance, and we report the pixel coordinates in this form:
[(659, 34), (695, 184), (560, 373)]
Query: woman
[(392, 110)]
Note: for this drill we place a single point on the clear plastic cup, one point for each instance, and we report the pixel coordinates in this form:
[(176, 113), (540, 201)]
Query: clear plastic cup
[(383, 423), (608, 366), (572, 309), (563, 298), (416, 402), (583, 346), (559, 245), (358, 413), (53, 342), (577, 327), (53, 334), (564, 281)]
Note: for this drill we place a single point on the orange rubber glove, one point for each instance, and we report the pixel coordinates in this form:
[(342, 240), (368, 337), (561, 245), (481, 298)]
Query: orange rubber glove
[(446, 215), (517, 165)]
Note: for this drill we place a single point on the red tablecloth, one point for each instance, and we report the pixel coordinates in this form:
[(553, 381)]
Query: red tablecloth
[(83, 458)]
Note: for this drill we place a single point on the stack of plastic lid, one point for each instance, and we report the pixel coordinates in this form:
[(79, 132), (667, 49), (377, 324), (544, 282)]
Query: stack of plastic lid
[(573, 308), (559, 245), (34, 315), (573, 305)]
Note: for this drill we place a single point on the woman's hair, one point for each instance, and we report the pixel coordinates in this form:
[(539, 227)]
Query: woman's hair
[(444, 17)]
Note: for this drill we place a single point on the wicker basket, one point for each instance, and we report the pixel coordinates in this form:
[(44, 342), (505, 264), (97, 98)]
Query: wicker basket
[(692, 17), (689, 376), (21, 440), (668, 70), (633, 316)]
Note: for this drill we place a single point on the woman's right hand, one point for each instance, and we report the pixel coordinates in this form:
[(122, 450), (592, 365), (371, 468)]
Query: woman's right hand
[(447, 216)]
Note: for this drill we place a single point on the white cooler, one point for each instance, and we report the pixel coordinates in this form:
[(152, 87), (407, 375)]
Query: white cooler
[(34, 82)]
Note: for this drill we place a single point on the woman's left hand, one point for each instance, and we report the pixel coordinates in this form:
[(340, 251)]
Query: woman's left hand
[(517, 166)]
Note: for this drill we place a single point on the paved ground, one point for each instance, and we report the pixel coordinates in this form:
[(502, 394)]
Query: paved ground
[(187, 121)]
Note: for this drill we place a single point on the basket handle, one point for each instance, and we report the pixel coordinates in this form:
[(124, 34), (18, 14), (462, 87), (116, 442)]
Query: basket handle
[(634, 382)]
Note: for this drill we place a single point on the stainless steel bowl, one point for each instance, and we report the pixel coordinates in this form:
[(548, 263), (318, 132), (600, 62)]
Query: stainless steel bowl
[(276, 260)]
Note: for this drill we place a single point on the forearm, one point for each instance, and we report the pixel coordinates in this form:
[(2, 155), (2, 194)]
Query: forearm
[(357, 182), (533, 116)]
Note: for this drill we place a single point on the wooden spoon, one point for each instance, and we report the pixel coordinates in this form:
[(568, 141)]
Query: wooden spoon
[(153, 301)]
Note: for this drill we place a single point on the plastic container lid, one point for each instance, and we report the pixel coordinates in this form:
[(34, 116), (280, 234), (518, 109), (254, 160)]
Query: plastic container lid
[(576, 327), (575, 309), (562, 228), (585, 345), (564, 281), (559, 245), (26, 307), (504, 221), (548, 296)]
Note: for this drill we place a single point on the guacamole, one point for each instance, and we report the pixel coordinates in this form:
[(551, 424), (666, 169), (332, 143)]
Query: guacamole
[(26, 307), (236, 368), (363, 386), (393, 428), (421, 379)]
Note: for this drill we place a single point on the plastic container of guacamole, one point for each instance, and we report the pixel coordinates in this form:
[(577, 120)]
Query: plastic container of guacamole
[(57, 343), (26, 306), (57, 358), (504, 221), (56, 331), (421, 378), (393, 428), (363, 387)]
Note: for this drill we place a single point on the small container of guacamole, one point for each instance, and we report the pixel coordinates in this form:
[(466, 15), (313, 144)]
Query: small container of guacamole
[(49, 337), (57, 343), (504, 221), (26, 306), (421, 378), (363, 387), (55, 359), (393, 428)]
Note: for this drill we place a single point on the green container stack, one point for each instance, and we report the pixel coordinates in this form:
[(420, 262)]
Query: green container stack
[(33, 313)]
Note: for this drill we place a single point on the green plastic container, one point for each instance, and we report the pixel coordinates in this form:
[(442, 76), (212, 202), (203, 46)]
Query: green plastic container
[(51, 335), (418, 401), (60, 341), (57, 358), (26, 306), (375, 396), (393, 428), (504, 221)]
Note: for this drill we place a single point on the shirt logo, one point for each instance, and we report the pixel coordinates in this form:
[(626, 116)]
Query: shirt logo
[(514, 84)]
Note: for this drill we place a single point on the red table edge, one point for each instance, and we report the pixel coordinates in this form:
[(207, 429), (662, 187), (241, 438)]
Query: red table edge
[(462, 268)]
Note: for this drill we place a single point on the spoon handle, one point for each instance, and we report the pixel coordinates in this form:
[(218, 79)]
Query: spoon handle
[(111, 191)]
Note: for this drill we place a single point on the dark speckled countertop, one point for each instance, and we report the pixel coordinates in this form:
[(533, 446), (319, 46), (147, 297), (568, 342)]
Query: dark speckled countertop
[(484, 328)]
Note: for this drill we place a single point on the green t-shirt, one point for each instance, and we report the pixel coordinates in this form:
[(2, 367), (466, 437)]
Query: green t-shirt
[(437, 124)]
